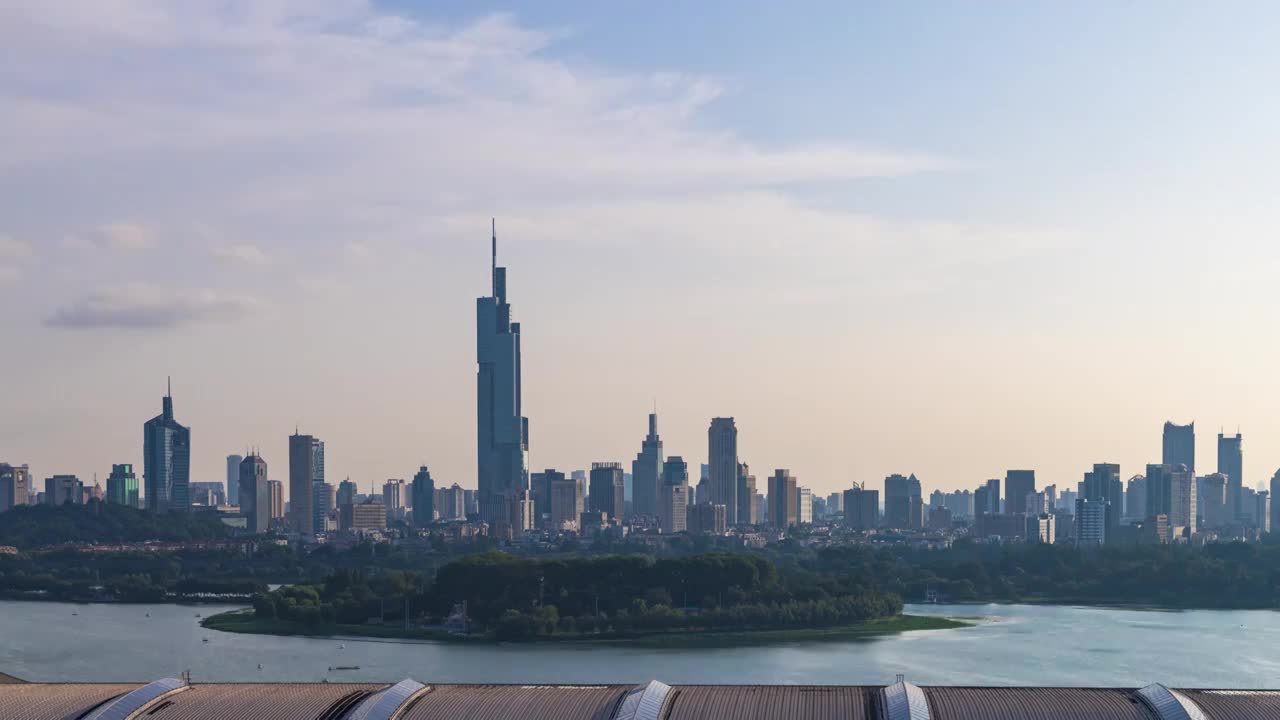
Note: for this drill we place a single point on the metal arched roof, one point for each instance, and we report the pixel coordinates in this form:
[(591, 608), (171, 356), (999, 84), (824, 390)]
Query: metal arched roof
[(904, 701), (1170, 704), (644, 703), (131, 703), (387, 704)]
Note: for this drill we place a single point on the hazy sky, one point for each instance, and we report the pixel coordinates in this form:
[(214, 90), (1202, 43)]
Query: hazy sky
[(942, 238)]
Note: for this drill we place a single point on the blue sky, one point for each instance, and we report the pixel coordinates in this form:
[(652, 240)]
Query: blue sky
[(945, 238)]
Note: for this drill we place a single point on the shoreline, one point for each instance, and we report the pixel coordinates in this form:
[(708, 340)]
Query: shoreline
[(243, 621)]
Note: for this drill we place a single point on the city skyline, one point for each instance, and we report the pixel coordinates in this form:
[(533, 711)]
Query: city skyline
[(873, 281)]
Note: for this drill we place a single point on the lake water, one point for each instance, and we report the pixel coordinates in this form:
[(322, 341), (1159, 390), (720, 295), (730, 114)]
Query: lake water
[(1011, 645)]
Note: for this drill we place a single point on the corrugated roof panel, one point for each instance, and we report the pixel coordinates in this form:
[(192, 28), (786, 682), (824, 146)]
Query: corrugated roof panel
[(1237, 704), (518, 702), (749, 702), (387, 703), (990, 703), (261, 701), (22, 701)]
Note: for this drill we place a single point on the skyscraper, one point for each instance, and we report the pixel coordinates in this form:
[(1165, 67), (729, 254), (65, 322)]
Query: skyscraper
[(1017, 485), (1135, 498), (783, 498), (1231, 464), (1103, 483), (62, 489), (646, 471), (275, 498), (1179, 446), (673, 500), (233, 479), (323, 499), (166, 461), (722, 459), (1275, 506), (804, 506), (607, 489), (746, 494), (15, 486), (255, 495), (122, 486), (1171, 491), (393, 499), (898, 492), (502, 432), (306, 467), (347, 492), (1211, 501), (861, 507), (424, 501)]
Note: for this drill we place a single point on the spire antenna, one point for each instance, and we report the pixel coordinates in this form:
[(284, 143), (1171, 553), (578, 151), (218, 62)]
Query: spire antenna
[(169, 385), (493, 224)]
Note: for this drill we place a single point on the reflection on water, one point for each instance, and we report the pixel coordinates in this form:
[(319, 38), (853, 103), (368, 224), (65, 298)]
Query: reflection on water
[(1011, 645)]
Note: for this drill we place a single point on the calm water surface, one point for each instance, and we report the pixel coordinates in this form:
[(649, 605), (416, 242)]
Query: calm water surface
[(1012, 645)]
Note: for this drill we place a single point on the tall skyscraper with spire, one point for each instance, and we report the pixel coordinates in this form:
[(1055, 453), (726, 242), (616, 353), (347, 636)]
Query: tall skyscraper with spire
[(722, 456), (166, 461), (646, 472), (502, 432), (306, 470)]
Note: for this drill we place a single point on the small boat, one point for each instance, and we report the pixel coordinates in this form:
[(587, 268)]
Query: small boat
[(345, 667), (79, 613), (148, 614), (259, 666), (206, 640)]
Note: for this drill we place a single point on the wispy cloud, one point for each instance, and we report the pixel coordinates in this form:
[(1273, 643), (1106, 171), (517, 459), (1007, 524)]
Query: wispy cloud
[(242, 253), (148, 307)]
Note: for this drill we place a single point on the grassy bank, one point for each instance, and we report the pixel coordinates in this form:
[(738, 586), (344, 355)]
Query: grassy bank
[(244, 621)]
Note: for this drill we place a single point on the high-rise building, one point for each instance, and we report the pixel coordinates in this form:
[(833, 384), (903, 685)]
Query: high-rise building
[(393, 499), (673, 500), (722, 459), (453, 503), (1135, 498), (323, 502), (646, 472), (122, 486), (804, 506), (502, 432), (1091, 522), (1017, 485), (207, 494), (63, 489), (233, 479), (1211, 501), (255, 495), (275, 499), (708, 518), (898, 491), (835, 505), (15, 486), (566, 503), (1231, 464), (746, 494), (166, 461), (782, 499), (306, 467), (361, 517), (347, 492), (1179, 446), (424, 503), (607, 489), (1103, 483), (1262, 510), (1274, 515), (1171, 492), (1041, 528)]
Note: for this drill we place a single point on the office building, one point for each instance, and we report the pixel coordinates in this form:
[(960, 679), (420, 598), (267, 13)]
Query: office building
[(1273, 516), (275, 500), (254, 494), (393, 499), (608, 489), (835, 505), (939, 518), (1091, 522), (323, 502), (424, 498), (782, 499), (208, 494), (233, 479), (1262, 510), (15, 486), (365, 516), (708, 519), (347, 492), (63, 489), (861, 507), (1103, 483), (646, 472), (502, 432), (898, 491), (1171, 492), (761, 510), (1231, 464), (804, 506), (722, 477), (746, 494), (1041, 528), (673, 510), (166, 461), (122, 486), (1017, 485), (1211, 501), (1135, 498), (566, 503), (1179, 446), (453, 503), (306, 467)]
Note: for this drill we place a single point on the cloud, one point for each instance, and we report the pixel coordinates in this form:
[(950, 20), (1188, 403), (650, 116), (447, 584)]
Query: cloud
[(11, 249), (146, 307), (123, 236), (8, 275), (242, 253)]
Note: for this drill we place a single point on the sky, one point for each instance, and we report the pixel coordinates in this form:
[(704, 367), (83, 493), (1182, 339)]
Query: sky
[(941, 238)]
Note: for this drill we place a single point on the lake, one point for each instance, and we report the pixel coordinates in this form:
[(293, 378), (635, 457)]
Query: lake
[(1010, 645)]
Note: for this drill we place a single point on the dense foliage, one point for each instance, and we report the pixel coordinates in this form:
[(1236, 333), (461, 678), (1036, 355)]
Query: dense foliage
[(518, 597), (70, 575), (31, 526)]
